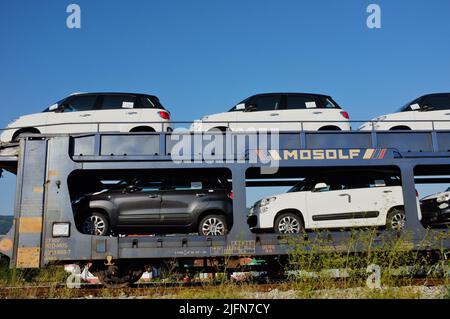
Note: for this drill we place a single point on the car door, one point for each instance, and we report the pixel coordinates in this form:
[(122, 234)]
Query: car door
[(312, 112), (141, 206), (180, 201), (117, 108), (435, 108), (261, 108), (76, 115), (331, 206), (371, 198)]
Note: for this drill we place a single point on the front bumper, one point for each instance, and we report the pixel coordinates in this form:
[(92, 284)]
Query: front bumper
[(434, 213)]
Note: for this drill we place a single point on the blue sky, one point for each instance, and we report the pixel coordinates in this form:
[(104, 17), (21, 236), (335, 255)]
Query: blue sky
[(202, 56)]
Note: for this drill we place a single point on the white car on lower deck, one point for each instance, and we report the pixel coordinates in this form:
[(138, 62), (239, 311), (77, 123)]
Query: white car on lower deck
[(335, 200), (427, 112), (92, 112), (282, 111)]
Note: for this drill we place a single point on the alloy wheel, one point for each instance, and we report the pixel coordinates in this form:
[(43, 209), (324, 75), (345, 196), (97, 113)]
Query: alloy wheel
[(289, 225), (398, 221), (213, 226), (94, 225)]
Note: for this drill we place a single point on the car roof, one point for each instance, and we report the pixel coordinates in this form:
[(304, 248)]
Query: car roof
[(433, 94), (112, 93), (367, 171), (292, 93)]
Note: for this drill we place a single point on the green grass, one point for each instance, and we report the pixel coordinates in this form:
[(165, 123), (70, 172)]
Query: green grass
[(312, 256)]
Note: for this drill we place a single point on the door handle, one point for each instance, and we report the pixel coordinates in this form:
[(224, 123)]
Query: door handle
[(153, 196), (85, 115), (317, 112), (132, 113), (200, 195), (387, 191), (349, 197), (274, 114)]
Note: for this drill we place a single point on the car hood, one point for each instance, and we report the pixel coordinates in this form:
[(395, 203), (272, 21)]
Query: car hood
[(219, 116), (28, 120), (386, 117), (434, 196)]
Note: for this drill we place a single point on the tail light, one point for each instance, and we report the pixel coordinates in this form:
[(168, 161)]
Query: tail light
[(231, 195), (164, 115), (417, 194), (345, 115)]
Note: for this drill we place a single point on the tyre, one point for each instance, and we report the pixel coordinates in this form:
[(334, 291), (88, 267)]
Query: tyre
[(400, 128), (212, 225), (142, 129), (396, 219), (223, 129), (115, 277), (95, 224), (288, 223), (329, 128)]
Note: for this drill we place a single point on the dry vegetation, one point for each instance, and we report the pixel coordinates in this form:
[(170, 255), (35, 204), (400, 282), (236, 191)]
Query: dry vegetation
[(306, 276)]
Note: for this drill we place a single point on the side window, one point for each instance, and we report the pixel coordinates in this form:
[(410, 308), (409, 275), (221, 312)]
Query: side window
[(115, 102), (149, 186), (146, 103), (328, 104), (295, 102), (437, 102), (393, 180), (181, 185), (367, 182), (81, 103), (266, 102)]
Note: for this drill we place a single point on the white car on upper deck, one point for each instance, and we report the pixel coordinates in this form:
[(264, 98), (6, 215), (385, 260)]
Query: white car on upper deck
[(282, 111), (92, 112), (431, 111)]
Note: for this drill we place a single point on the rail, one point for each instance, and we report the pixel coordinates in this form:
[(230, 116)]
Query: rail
[(227, 123)]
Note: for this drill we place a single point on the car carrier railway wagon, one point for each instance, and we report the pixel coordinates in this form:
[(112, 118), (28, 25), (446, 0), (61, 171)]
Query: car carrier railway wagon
[(44, 230)]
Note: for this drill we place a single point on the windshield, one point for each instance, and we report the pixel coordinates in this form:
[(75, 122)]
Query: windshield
[(58, 103), (233, 109), (299, 187), (406, 107)]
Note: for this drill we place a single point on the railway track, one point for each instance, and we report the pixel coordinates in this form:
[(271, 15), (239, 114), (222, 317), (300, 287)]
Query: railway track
[(173, 289)]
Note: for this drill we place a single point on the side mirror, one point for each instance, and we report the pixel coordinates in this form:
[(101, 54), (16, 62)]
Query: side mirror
[(131, 188), (320, 186), (240, 107), (414, 107), (53, 107)]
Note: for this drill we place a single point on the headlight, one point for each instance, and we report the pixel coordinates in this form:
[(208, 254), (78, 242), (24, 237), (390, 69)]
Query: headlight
[(266, 201), (443, 198)]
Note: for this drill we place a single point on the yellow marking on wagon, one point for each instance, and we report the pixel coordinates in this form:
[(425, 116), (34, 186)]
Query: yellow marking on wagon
[(6, 244), (30, 225), (38, 189), (28, 257)]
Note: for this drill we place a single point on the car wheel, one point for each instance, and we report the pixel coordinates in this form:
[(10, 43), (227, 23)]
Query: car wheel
[(289, 223), (213, 225), (396, 220), (400, 128), (95, 224)]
